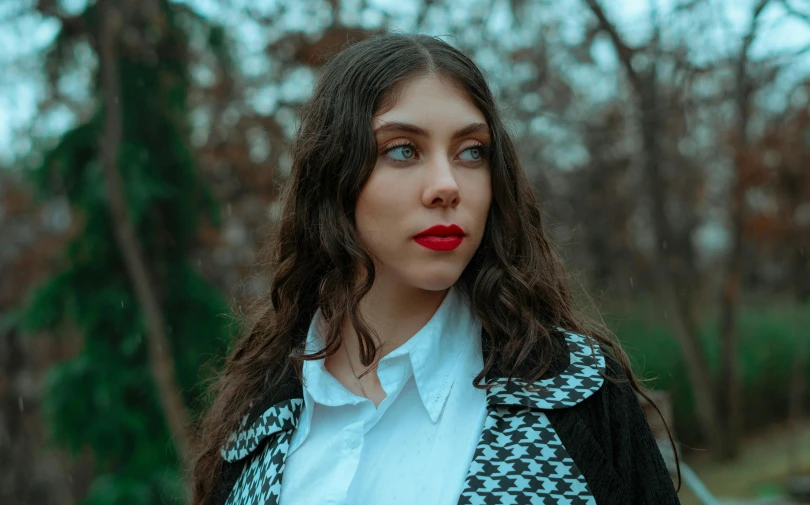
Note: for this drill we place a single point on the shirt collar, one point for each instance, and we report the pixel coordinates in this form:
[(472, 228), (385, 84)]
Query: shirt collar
[(581, 378), (434, 353)]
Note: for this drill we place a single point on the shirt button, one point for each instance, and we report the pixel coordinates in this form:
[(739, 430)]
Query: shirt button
[(354, 443)]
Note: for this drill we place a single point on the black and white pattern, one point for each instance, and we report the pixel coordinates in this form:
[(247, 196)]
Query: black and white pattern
[(519, 459), (578, 381), (282, 416), (260, 481)]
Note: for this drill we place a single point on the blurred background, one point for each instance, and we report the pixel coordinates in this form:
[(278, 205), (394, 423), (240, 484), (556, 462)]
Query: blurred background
[(143, 144)]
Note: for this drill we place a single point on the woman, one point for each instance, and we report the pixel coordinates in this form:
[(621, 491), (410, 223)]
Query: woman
[(418, 343)]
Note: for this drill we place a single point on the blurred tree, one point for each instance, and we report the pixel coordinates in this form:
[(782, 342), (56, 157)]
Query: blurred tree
[(744, 176), (783, 233), (675, 185), (33, 473), (618, 161), (146, 317), (673, 282)]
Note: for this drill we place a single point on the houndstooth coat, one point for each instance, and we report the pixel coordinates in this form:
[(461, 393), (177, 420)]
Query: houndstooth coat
[(549, 442)]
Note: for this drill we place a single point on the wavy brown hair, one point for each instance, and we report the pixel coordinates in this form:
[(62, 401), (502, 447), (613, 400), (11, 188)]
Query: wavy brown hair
[(516, 283)]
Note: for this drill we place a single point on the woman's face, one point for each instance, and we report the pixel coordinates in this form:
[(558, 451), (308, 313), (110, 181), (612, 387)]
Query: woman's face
[(431, 170)]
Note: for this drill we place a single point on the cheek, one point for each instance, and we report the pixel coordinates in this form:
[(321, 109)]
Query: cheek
[(378, 209), (479, 196)]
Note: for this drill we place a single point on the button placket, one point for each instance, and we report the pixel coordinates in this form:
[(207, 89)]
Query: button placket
[(353, 436)]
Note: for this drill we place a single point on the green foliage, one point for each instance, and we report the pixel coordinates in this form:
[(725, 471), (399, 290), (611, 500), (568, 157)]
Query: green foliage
[(768, 342), (111, 489), (104, 398)]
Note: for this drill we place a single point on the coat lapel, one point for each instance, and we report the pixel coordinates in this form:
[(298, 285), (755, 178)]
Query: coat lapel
[(519, 458), (260, 480), (282, 416), (580, 379)]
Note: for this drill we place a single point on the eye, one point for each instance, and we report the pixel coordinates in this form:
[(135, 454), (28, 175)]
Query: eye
[(474, 153), (406, 152)]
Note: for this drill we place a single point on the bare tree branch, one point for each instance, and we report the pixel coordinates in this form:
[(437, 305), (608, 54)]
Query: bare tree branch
[(423, 10), (793, 11), (730, 386), (645, 87), (624, 51)]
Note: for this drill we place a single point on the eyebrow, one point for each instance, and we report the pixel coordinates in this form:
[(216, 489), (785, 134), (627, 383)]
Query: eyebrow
[(415, 130)]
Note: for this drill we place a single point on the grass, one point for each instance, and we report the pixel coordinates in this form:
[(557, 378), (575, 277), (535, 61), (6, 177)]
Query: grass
[(766, 462), (768, 334)]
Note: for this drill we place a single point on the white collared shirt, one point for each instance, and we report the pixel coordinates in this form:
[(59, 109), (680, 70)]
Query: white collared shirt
[(417, 446)]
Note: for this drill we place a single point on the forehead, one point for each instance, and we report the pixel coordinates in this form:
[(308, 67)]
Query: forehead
[(427, 99)]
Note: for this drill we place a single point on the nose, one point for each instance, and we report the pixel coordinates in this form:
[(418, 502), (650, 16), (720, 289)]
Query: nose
[(441, 187)]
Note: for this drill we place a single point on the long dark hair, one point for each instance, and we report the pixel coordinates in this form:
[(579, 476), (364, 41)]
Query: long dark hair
[(516, 283)]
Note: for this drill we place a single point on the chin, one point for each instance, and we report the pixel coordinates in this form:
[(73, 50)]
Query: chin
[(435, 281)]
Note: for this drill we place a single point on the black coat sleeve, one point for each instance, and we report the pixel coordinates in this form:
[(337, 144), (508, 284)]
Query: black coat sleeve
[(608, 437)]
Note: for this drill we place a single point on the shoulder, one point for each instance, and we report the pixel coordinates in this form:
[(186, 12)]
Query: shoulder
[(575, 374), (613, 405), (609, 438)]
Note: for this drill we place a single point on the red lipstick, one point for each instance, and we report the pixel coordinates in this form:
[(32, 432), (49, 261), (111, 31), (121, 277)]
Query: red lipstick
[(440, 237)]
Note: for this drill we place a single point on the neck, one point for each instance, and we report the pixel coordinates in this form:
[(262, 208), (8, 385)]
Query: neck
[(395, 313)]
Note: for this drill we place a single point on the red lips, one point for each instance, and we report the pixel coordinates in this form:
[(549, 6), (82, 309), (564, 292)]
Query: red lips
[(440, 237)]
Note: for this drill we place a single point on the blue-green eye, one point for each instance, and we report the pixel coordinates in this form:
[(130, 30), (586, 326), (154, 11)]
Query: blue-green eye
[(474, 153), (402, 153)]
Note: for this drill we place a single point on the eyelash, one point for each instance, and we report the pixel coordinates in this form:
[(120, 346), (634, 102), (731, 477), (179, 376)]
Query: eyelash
[(482, 147)]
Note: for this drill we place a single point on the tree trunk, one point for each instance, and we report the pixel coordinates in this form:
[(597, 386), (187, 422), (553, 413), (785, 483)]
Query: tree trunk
[(677, 304), (644, 85), (160, 357), (730, 386), (797, 390)]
